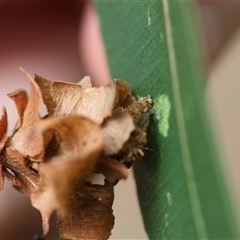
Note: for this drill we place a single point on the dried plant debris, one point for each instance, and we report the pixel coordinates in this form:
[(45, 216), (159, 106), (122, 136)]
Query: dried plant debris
[(87, 130)]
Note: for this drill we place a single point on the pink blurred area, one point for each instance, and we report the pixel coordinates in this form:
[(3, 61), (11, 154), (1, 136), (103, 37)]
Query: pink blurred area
[(42, 37)]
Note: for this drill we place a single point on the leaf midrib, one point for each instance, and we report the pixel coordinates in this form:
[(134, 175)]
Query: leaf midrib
[(187, 161)]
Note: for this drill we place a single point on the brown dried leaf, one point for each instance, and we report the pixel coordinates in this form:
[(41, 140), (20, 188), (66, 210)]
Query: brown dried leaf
[(78, 135), (1, 177), (87, 130), (3, 124), (122, 93), (85, 82), (20, 99), (15, 161), (62, 98), (140, 111), (93, 103), (89, 212), (117, 130), (133, 148), (3, 138), (3, 142), (19, 140), (81, 142), (46, 87), (11, 178), (113, 170)]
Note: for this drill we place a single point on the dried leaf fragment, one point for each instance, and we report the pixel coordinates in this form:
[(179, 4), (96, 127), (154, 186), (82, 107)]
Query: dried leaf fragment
[(123, 95), (20, 99), (80, 144), (93, 103), (3, 140), (140, 111), (89, 213), (112, 169), (4, 173), (117, 130), (11, 178), (29, 118), (1, 177), (46, 87), (15, 161), (85, 82), (3, 124), (88, 130)]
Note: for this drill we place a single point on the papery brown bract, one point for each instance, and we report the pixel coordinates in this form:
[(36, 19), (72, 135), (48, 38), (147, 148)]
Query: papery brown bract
[(123, 95), (88, 214), (112, 169), (80, 144), (85, 82), (68, 98), (140, 111), (87, 130), (20, 99), (117, 130), (3, 124), (28, 120), (10, 177), (3, 130), (15, 161)]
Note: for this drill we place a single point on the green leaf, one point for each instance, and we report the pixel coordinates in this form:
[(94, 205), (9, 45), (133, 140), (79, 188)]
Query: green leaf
[(182, 192)]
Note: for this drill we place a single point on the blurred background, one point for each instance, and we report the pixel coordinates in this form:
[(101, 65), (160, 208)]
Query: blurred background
[(61, 40)]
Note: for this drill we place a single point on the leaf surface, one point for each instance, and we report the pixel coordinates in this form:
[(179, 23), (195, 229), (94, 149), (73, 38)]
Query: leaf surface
[(182, 192)]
